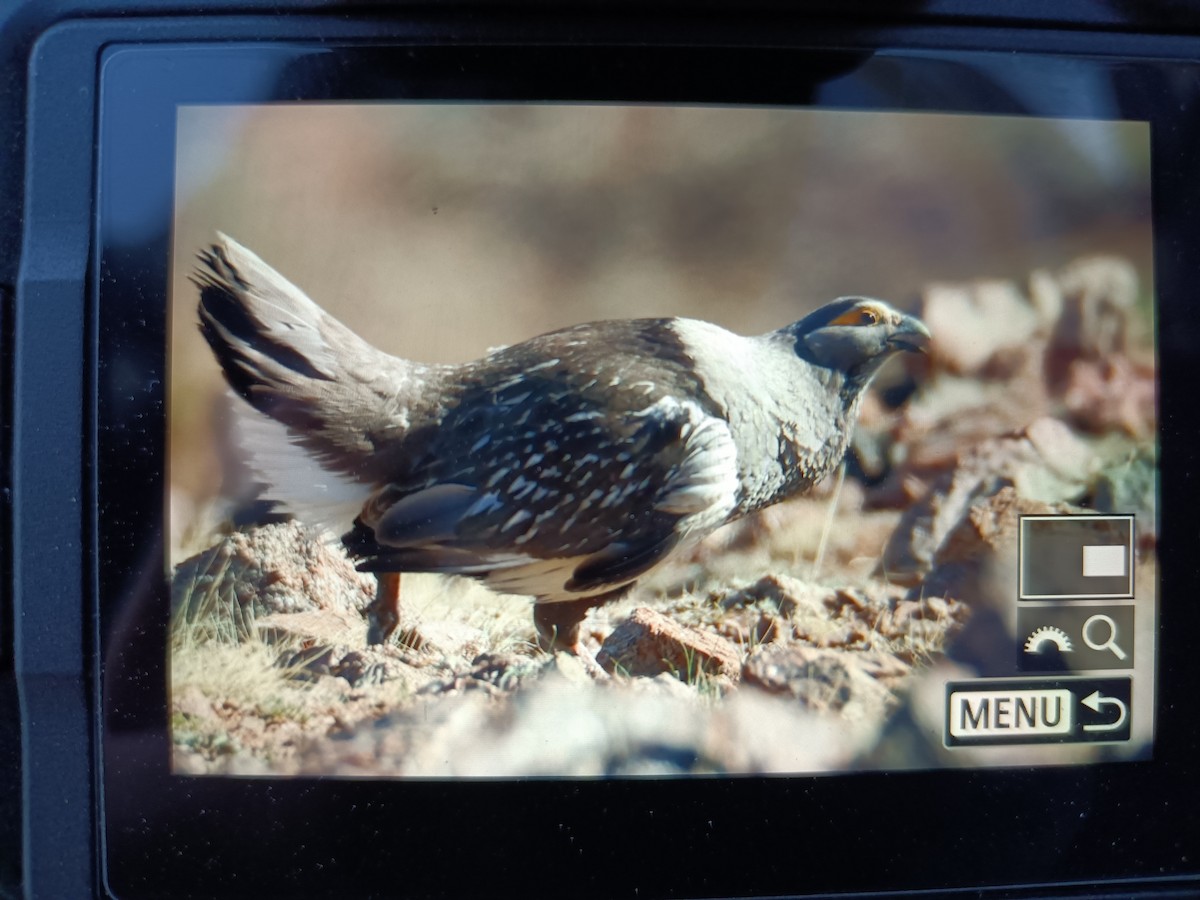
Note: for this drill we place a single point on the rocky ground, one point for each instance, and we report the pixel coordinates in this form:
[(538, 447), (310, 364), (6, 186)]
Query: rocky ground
[(815, 636)]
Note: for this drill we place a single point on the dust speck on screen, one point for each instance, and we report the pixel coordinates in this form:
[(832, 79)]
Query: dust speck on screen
[(587, 441)]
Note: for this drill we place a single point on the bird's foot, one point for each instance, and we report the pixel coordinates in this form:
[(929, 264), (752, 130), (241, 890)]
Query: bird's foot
[(383, 627), (559, 630)]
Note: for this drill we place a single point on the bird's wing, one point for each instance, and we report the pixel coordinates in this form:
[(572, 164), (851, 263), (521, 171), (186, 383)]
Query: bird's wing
[(600, 501)]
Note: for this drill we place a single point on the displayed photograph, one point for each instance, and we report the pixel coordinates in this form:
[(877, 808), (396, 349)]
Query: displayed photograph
[(616, 441)]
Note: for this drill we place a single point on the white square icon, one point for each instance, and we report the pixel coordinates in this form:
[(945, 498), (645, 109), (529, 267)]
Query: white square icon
[(1105, 561)]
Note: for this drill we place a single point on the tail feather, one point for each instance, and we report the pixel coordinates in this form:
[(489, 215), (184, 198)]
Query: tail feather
[(344, 401)]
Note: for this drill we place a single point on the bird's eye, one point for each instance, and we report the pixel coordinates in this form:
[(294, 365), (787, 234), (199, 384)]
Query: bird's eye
[(859, 316)]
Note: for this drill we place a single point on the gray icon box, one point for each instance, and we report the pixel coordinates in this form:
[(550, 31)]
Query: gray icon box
[(1074, 637), (1076, 557)]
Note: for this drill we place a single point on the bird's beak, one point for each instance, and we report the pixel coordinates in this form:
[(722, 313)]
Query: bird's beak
[(910, 334)]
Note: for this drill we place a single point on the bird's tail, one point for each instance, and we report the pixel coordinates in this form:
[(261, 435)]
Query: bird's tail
[(341, 399)]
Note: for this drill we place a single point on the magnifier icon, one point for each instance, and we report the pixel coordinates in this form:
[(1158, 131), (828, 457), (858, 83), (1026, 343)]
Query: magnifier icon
[(1110, 643)]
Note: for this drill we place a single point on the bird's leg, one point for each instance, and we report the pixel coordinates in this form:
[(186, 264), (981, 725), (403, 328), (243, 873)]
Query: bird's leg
[(558, 623), (383, 615)]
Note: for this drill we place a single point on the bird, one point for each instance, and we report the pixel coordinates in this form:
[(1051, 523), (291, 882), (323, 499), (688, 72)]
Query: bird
[(565, 467)]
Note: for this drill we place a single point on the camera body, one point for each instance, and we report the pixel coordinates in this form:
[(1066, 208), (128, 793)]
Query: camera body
[(589, 145)]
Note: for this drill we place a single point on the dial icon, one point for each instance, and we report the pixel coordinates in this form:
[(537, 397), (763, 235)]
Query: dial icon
[(1048, 634)]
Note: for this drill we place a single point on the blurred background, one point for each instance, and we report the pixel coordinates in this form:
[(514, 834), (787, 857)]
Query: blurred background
[(438, 231)]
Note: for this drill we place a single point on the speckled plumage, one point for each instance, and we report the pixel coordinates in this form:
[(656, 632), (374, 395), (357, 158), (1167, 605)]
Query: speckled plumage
[(564, 467)]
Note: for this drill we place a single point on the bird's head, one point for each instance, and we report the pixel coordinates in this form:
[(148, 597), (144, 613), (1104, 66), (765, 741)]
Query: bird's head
[(855, 336)]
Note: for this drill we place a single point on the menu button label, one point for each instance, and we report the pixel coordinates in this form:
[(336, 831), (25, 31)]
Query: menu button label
[(1038, 711), (1011, 713)]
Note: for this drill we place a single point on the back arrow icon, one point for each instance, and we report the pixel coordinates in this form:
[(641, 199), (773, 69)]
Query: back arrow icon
[(1095, 701)]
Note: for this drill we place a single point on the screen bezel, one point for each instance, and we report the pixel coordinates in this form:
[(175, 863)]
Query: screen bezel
[(600, 838)]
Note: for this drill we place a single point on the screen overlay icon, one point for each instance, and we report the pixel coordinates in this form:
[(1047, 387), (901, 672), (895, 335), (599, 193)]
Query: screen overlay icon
[(1076, 557), (1070, 637)]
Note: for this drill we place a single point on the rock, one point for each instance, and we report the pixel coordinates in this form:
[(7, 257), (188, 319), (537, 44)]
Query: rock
[(780, 592), (359, 667), (277, 568), (372, 665), (824, 682), (1098, 295), (953, 412), (508, 671), (1059, 452), (974, 324), (321, 626), (192, 703), (820, 680), (777, 596), (448, 638), (989, 527), (1044, 463), (887, 616), (976, 561), (648, 643), (750, 631), (1111, 394), (310, 662), (1001, 362)]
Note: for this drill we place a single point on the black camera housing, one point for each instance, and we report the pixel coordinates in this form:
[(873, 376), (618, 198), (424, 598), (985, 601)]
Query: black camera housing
[(82, 666)]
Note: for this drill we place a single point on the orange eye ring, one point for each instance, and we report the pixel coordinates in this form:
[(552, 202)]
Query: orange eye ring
[(860, 315)]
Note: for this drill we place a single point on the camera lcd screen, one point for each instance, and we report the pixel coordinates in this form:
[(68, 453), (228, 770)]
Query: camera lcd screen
[(670, 432), (973, 584)]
